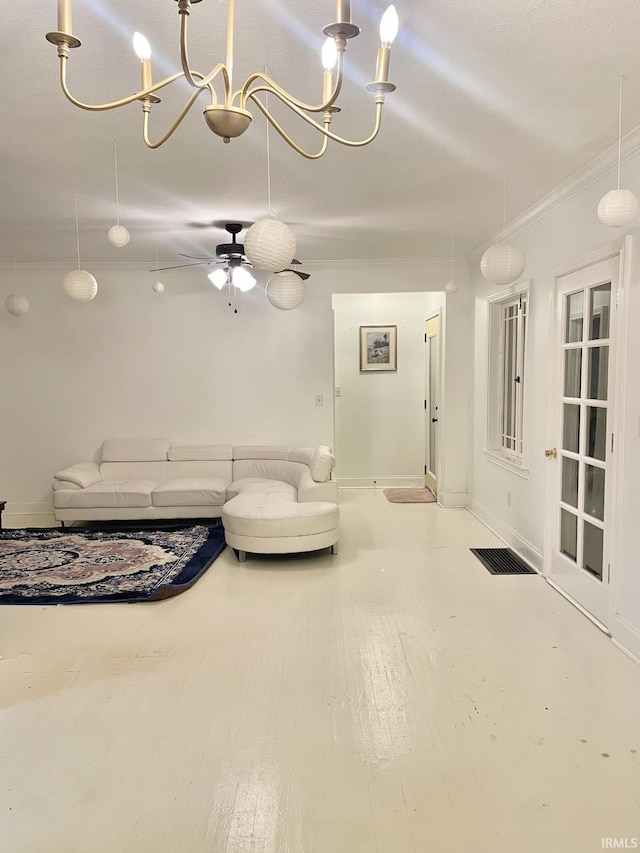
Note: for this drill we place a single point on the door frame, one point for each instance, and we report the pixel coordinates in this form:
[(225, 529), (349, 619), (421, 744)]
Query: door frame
[(438, 468), (624, 249)]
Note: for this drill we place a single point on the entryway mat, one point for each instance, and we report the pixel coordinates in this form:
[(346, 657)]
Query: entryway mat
[(502, 561)]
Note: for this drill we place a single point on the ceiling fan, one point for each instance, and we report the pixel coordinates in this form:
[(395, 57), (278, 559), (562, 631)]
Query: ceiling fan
[(234, 265)]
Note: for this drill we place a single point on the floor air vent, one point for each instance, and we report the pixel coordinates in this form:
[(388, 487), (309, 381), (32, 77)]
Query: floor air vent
[(502, 561)]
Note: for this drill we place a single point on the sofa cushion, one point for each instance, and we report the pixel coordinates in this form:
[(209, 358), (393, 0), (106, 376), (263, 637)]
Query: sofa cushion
[(112, 494), (190, 491), (275, 514), (262, 486), (258, 451), (83, 474), (134, 450), (196, 452), (322, 464)]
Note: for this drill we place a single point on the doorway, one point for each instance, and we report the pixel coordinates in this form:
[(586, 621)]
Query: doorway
[(432, 401), (580, 511)]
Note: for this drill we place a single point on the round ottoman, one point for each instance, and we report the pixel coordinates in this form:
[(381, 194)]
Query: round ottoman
[(273, 523)]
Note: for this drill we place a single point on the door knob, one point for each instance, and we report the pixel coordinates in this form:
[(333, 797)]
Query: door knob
[(434, 420), (553, 452)]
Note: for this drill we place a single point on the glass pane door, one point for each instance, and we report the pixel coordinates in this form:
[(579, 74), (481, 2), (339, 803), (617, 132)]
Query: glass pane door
[(579, 519)]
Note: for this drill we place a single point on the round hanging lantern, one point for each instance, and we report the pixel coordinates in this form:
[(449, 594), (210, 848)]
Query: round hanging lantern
[(118, 235), (157, 287), (451, 286), (80, 286), (503, 263), (270, 245), (16, 304), (617, 208), (285, 290)]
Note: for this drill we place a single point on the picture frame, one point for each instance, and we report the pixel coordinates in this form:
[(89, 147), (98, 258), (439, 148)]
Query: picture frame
[(378, 348)]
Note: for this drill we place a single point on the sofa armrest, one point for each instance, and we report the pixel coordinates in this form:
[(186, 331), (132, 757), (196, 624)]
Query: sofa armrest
[(83, 474), (309, 490)]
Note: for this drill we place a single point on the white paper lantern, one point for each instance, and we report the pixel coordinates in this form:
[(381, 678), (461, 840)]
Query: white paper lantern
[(118, 235), (617, 208), (285, 290), (157, 287), (451, 286), (270, 245), (16, 304), (503, 263), (80, 286)]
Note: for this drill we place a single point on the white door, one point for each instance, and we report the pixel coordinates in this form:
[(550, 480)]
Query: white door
[(432, 341), (581, 461)]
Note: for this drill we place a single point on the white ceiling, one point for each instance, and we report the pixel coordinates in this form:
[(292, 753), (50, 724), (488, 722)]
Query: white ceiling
[(531, 87)]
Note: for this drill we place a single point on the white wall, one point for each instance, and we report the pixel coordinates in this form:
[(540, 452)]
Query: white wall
[(569, 231), (380, 417), (179, 365)]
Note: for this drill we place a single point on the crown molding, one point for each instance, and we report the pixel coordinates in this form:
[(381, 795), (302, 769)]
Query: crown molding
[(568, 189), (383, 263), (329, 265)]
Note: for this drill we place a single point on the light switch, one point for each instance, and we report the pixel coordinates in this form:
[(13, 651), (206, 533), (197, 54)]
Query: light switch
[(319, 400)]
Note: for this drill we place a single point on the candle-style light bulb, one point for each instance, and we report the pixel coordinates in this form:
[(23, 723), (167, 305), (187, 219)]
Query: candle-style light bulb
[(389, 26), (141, 46), (329, 54), (143, 51)]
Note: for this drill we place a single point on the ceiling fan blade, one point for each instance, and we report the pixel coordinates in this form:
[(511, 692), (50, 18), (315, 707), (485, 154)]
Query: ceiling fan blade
[(179, 266), (199, 257), (303, 275)]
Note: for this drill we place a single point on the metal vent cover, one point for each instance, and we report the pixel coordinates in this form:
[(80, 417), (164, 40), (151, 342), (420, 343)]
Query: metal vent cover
[(502, 561)]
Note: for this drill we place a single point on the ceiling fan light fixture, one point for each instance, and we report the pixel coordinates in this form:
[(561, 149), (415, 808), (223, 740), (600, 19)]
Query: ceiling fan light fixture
[(270, 245), (242, 279), (219, 277), (285, 290)]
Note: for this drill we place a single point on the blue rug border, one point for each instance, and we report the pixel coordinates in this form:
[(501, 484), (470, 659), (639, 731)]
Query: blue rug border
[(204, 557)]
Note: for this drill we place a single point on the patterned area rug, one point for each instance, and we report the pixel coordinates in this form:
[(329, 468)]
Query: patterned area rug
[(54, 566), (409, 496)]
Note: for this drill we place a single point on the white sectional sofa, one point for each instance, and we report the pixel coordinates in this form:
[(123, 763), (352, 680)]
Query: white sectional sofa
[(271, 499)]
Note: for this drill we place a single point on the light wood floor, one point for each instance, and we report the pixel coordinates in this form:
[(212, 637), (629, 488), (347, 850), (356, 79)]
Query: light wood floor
[(395, 698)]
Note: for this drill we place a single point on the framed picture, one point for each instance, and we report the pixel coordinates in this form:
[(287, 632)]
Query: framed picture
[(378, 348)]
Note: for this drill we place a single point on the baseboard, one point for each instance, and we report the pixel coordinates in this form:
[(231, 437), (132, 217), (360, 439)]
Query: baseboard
[(529, 553), (28, 514), (626, 637), (452, 499), (385, 482)]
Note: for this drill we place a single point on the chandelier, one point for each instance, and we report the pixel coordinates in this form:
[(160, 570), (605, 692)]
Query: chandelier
[(228, 116)]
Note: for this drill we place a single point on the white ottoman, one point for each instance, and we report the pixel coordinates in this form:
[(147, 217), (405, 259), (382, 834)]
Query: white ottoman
[(274, 523)]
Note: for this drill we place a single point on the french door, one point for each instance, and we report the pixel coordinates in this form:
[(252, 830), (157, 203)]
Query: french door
[(582, 466)]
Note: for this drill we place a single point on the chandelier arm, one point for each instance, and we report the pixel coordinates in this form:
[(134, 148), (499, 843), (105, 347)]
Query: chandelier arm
[(323, 129), (190, 75), (271, 86), (146, 108), (113, 104), (277, 127)]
